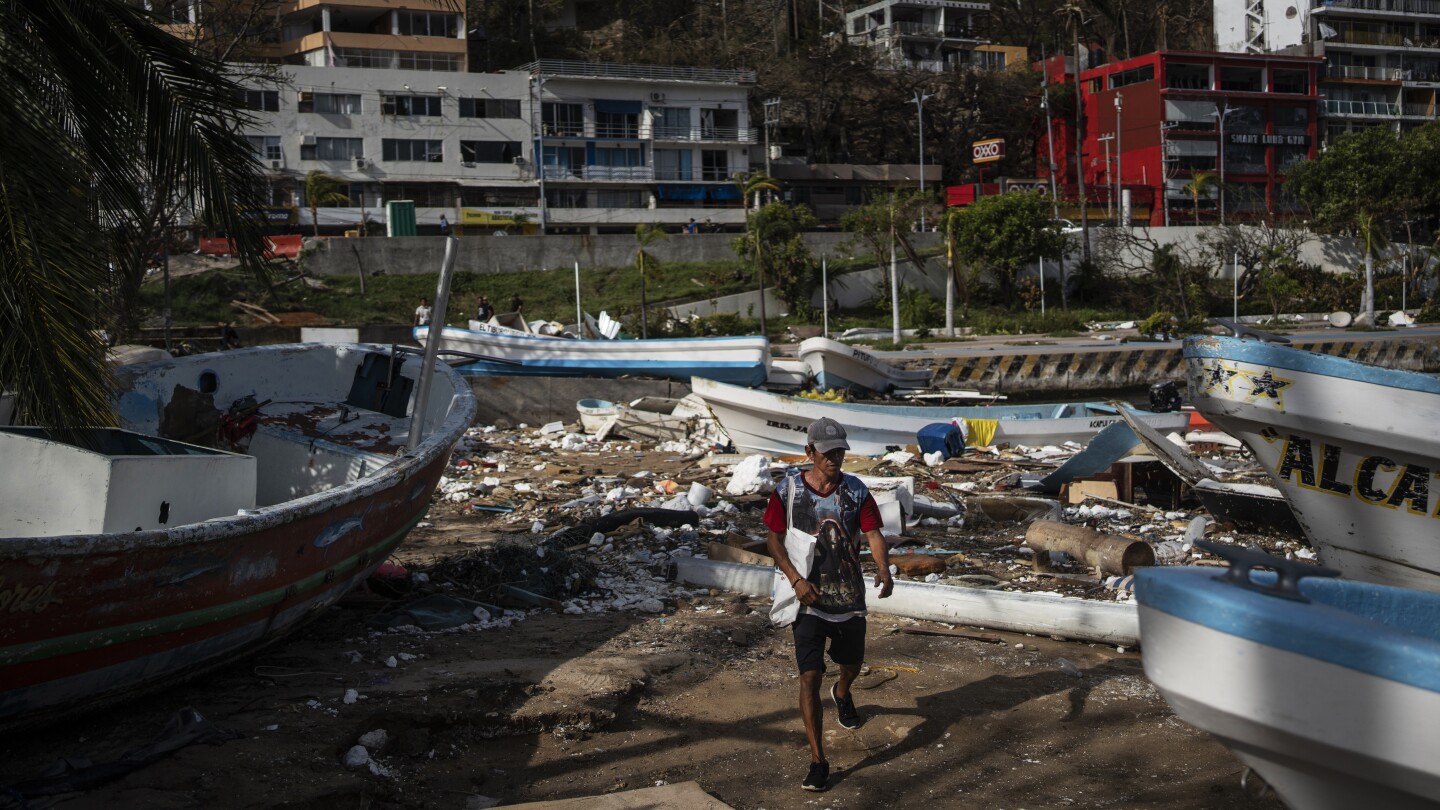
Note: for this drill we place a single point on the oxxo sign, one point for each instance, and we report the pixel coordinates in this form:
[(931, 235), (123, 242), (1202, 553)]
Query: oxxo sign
[(987, 151)]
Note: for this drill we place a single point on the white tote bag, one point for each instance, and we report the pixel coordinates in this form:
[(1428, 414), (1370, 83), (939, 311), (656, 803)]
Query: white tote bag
[(800, 548)]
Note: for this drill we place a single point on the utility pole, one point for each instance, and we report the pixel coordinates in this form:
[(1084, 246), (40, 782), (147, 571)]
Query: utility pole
[(537, 115), (1049, 131), (919, 102), (1109, 175), (1075, 9), (772, 117), (1221, 115)]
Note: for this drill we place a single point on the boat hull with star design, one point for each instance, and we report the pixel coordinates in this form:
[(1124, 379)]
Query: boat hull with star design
[(1353, 447)]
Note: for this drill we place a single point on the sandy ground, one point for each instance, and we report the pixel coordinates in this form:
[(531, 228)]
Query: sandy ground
[(559, 705)]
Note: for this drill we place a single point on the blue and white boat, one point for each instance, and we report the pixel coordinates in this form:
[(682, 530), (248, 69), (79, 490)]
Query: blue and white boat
[(1354, 449), (839, 365), (1329, 689), (736, 360), (762, 422)]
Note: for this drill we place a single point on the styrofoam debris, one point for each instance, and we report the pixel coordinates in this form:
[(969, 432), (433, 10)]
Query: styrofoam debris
[(934, 459), (551, 427), (375, 739), (351, 696), (750, 476), (899, 458)]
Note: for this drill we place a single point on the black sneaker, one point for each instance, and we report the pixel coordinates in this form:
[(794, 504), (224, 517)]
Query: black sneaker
[(845, 709), (818, 776)]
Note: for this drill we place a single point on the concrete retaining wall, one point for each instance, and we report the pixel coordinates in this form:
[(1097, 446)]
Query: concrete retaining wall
[(1144, 364), (504, 254)]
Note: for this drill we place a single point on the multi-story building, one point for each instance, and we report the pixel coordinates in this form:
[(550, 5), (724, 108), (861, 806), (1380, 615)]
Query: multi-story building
[(1382, 57), (934, 35), (1153, 122)]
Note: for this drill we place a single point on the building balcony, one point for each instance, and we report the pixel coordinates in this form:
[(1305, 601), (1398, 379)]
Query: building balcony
[(1360, 109), (652, 73), (1374, 74), (705, 134), (926, 31), (1418, 110), (612, 174), (1402, 8)]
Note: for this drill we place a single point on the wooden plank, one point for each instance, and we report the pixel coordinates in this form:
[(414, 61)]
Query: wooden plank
[(936, 631), (724, 553), (682, 796)]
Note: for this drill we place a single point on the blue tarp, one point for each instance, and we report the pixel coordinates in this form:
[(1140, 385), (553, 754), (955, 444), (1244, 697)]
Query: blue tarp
[(681, 192)]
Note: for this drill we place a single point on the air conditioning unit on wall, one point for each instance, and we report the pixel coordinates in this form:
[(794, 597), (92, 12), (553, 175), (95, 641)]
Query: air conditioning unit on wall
[(277, 164), (359, 163), (657, 97)]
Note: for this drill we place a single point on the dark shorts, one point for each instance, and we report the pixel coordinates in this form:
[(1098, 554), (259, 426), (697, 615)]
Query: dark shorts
[(847, 642)]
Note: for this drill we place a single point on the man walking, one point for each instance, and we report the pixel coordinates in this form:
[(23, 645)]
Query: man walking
[(837, 509), (422, 313)]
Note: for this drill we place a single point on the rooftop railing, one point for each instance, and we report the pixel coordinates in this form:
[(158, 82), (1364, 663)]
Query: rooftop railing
[(659, 73)]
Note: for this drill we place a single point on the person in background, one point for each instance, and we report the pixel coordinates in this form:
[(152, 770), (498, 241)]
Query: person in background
[(690, 227), (836, 508), (444, 226), (516, 305), (229, 338), (484, 311), (422, 313)]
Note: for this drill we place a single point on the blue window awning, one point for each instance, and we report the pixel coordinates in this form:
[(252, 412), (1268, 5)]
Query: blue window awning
[(681, 192), (724, 193)]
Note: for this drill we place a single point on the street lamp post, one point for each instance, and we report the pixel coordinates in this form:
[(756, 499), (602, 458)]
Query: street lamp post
[(919, 102), (1220, 116), (1119, 163)]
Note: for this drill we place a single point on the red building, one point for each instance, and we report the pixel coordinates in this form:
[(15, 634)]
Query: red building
[(1174, 107)]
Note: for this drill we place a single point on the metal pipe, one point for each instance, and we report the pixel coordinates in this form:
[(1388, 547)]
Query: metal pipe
[(432, 343)]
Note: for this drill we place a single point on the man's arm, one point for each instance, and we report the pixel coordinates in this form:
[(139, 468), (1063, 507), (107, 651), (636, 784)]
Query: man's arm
[(880, 553), (804, 591)]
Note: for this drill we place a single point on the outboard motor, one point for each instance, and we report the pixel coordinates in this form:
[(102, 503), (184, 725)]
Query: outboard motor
[(1164, 397)]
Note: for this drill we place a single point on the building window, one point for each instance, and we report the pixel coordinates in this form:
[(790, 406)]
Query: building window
[(1180, 76), (1144, 73), (489, 151), (1190, 155), (499, 197), (489, 108), (1290, 120), (426, 24), (1246, 158), (261, 100), (423, 60), (1285, 156), (618, 164), (1291, 81), (616, 125), (989, 60), (332, 103), (719, 124), (673, 164), (566, 198), (620, 198), (416, 150), (364, 58), (671, 123), (563, 119), (409, 105), (714, 164), (265, 147), (424, 195), (333, 149), (1242, 79)]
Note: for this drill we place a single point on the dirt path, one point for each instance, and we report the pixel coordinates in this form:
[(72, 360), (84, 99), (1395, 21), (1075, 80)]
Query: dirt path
[(558, 705)]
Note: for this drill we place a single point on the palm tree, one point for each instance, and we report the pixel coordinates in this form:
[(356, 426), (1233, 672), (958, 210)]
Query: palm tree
[(323, 189), (645, 236), (111, 124), (753, 183), (1372, 239), (1200, 185)]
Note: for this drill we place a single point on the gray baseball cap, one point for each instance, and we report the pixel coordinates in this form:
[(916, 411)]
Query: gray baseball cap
[(826, 434)]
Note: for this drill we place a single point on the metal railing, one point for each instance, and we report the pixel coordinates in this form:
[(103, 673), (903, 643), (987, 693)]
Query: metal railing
[(1367, 109), (919, 29), (1386, 38), (719, 134), (605, 70), (624, 174), (1401, 6), (1386, 74), (1421, 110)]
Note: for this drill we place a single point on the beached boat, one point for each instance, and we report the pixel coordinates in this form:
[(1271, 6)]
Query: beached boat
[(1352, 447), (1328, 688), (738, 360), (761, 422), (836, 365), (242, 493)]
